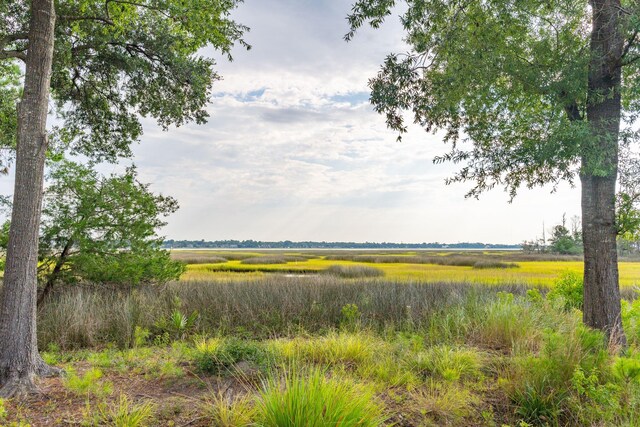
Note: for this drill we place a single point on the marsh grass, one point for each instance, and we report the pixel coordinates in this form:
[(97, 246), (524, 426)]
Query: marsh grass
[(273, 259), (83, 317), (494, 264), (353, 271)]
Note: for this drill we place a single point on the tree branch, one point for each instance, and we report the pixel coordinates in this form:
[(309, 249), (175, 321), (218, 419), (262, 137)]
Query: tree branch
[(629, 45), (9, 38), (6, 54), (86, 18)]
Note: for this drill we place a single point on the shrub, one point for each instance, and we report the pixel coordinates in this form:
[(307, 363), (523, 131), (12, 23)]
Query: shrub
[(353, 271), (177, 325), (568, 291), (310, 399)]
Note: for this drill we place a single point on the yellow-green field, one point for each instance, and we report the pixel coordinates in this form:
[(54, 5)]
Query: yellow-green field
[(541, 273)]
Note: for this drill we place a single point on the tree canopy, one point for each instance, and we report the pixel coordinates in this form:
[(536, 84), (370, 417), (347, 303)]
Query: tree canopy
[(116, 61), (507, 81)]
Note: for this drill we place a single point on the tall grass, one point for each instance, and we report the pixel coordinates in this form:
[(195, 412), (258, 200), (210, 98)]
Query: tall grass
[(81, 317), (353, 271)]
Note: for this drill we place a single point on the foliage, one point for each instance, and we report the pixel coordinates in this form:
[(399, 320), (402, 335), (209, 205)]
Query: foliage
[(506, 80), (116, 61), (628, 198), (9, 94), (102, 229), (568, 290), (308, 398), (177, 325), (564, 241)]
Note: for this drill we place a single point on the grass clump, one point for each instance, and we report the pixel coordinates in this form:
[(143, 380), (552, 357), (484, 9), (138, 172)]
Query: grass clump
[(449, 363), (222, 356), (353, 271), (310, 399), (125, 413), (333, 349), (444, 404), (226, 411)]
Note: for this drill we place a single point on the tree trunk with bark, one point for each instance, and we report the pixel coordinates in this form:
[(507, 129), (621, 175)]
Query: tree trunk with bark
[(599, 173), (19, 358)]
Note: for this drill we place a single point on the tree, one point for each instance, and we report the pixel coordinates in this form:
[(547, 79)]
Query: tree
[(529, 93), (102, 230), (564, 241), (104, 64)]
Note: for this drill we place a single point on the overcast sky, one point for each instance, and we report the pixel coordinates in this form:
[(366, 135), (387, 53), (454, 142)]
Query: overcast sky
[(293, 150)]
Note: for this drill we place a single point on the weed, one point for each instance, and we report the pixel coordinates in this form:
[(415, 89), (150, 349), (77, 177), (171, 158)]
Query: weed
[(89, 384)]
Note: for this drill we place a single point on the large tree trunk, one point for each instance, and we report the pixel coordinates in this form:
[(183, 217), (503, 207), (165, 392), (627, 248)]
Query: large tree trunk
[(599, 173), (19, 358)]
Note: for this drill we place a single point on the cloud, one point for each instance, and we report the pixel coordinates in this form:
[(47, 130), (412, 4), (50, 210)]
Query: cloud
[(293, 150)]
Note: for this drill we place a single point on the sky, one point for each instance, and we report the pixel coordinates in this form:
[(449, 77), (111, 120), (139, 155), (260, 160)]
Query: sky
[(294, 151)]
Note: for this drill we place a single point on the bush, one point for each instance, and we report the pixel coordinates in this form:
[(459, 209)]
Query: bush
[(568, 291), (313, 400)]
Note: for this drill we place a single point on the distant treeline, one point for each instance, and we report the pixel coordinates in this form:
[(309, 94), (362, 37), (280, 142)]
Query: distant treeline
[(287, 244)]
